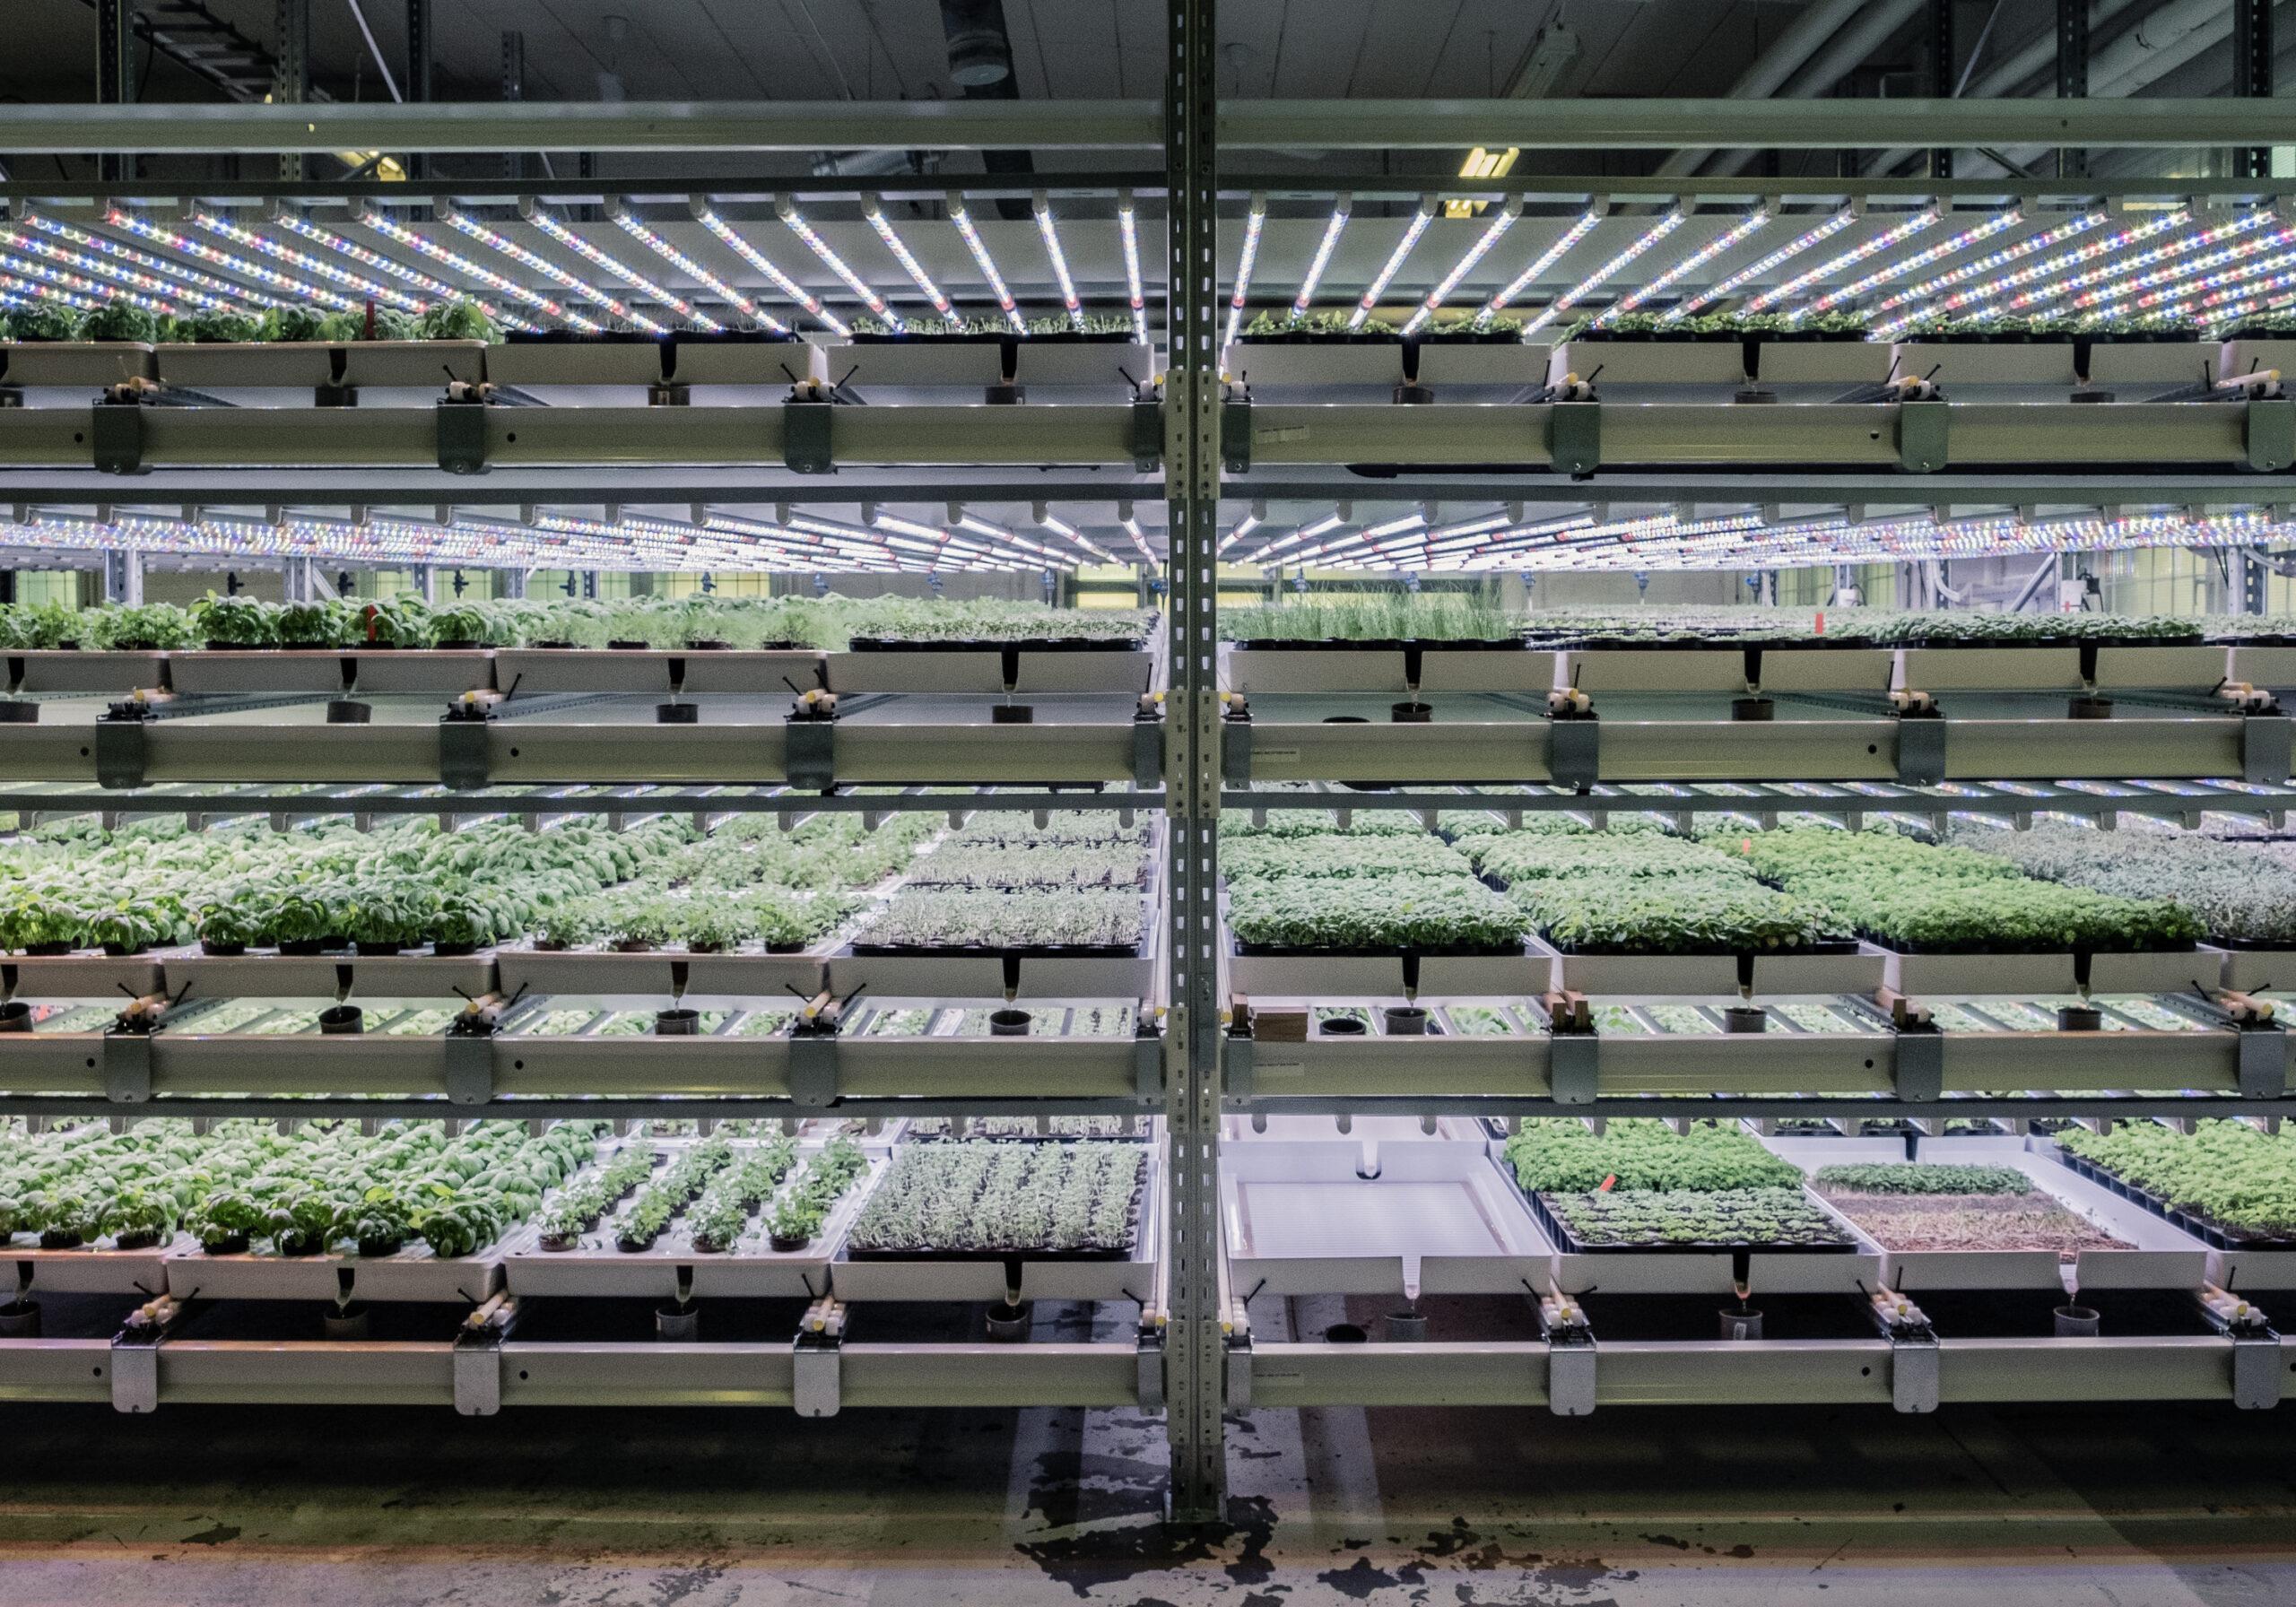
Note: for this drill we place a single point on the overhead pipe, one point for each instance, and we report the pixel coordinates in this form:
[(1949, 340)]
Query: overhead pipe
[(1772, 67), (1841, 56)]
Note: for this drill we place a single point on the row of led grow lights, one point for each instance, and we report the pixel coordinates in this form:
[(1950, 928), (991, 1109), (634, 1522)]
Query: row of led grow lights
[(711, 539), (43, 258), (2210, 265), (1754, 539)]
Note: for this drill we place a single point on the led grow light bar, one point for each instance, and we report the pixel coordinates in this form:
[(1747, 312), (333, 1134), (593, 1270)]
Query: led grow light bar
[(1544, 260), (1126, 522), (638, 229), (2101, 267), (217, 291), (1127, 222), (1958, 241), (1506, 220), (1387, 270), (1305, 532), (105, 278), (398, 233), (1042, 207), (1974, 300), (32, 291), (786, 211), (1729, 238), (859, 548), (95, 290), (1324, 248), (1051, 556), (1906, 229), (1255, 221), (735, 242), (1068, 532), (590, 254), (367, 258), (2016, 252), (457, 218), (356, 283), (984, 262), (1595, 281), (1834, 224), (2206, 296), (873, 209), (2151, 286), (286, 284), (927, 540), (1461, 544)]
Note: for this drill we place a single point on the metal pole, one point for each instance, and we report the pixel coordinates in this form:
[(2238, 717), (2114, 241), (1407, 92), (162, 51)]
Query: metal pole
[(2072, 76), (2252, 76), (1195, 1353), (418, 74), (1941, 83), (514, 88), (114, 70), (291, 71)]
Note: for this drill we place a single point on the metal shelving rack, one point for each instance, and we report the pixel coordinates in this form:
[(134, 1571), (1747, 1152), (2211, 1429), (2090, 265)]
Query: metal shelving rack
[(1200, 446)]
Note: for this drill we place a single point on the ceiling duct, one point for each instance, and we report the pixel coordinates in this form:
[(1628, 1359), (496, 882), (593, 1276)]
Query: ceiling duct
[(981, 63)]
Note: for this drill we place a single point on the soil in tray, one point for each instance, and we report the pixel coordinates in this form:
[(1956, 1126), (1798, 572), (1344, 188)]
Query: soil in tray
[(1043, 644), (1998, 1221), (1024, 952), (1576, 1222), (1627, 952), (1319, 951)]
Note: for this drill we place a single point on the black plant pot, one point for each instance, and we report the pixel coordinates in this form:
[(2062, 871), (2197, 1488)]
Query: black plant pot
[(341, 1021), (19, 1319), (1405, 1021), (1745, 1018), (15, 1016), (349, 712), (15, 713), (677, 714), (787, 1244), (678, 1022), (1412, 713), (2079, 1017), (1008, 1023), (1343, 1026), (234, 1243)]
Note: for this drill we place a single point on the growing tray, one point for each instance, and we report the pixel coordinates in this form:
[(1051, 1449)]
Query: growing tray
[(84, 670), (89, 365), (1830, 969), (2162, 1257), (932, 362), (88, 1270), (2265, 664), (1293, 973), (1706, 370), (966, 974), (273, 976), (1312, 368), (89, 974), (672, 1264), (1980, 975), (906, 1275), (413, 1274), (656, 671), (1432, 1217), (1318, 667), (941, 667), (1568, 1244), (627, 364), (2249, 967), (654, 976), (304, 365), (1985, 365), (2147, 363)]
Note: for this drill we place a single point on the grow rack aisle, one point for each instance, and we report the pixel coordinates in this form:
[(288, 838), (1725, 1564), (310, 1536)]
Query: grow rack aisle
[(1102, 911)]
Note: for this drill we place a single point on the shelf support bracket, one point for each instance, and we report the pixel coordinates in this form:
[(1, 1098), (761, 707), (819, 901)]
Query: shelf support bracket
[(466, 763), (135, 1355), (116, 438), (128, 1067), (2265, 749), (816, 1360), (1574, 437), (809, 753), (478, 1356), (1571, 1356), (806, 437), (122, 754), (461, 437), (813, 1069), (1923, 432), (2271, 435)]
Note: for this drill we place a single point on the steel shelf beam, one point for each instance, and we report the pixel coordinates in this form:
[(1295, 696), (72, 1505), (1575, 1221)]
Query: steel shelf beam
[(1782, 1372), (809, 125)]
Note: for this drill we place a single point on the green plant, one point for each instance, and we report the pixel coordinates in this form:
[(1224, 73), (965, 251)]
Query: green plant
[(1562, 1155), (118, 320), (1440, 914), (291, 322), (456, 319), (1922, 1177), (235, 621), (332, 623), (146, 626), (2227, 1172), (369, 323), (209, 324)]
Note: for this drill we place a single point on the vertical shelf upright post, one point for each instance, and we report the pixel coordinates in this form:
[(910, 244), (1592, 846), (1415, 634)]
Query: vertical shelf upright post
[(1194, 1345)]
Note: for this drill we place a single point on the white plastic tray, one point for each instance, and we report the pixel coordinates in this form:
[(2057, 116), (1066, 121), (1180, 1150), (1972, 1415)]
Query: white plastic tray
[(982, 670), (414, 1273), (86, 1271), (1982, 976), (1434, 1217), (2163, 1257), (1709, 976)]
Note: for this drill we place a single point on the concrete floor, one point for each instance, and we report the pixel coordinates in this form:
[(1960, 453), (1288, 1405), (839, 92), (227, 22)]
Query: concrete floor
[(212, 1507)]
